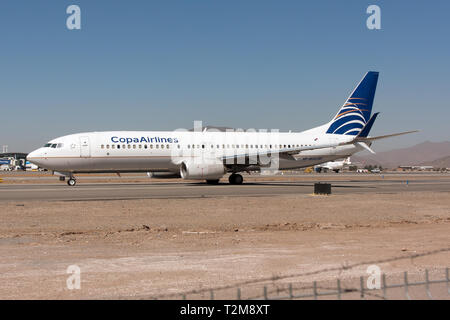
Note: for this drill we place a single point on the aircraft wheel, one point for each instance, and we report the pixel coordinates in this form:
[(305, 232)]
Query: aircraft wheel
[(71, 182), (235, 179)]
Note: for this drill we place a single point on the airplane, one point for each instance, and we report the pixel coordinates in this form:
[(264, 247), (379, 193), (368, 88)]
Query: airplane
[(335, 165), (208, 154)]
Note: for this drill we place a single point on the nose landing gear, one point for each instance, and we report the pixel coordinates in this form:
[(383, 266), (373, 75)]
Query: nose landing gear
[(71, 182)]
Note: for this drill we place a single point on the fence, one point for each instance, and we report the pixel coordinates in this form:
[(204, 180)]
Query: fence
[(338, 291), (404, 286)]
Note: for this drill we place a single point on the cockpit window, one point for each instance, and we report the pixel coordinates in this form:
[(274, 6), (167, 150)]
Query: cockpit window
[(53, 145)]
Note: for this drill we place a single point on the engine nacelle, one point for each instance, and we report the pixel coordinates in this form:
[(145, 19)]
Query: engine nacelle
[(202, 171), (164, 175)]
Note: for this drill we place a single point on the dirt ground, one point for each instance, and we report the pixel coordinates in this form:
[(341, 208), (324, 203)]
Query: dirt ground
[(156, 248)]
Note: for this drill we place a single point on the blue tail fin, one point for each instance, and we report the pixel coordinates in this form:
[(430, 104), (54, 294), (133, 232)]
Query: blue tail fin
[(355, 113)]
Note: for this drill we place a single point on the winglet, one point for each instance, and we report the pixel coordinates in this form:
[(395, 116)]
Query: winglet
[(365, 131)]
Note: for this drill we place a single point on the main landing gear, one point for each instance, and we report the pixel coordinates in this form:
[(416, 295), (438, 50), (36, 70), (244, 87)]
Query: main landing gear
[(235, 179)]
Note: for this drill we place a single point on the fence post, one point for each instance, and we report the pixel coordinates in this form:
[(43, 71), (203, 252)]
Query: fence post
[(384, 286), (212, 294), (265, 292), (361, 282), (291, 295), (427, 284), (339, 289), (406, 286), (238, 296), (448, 280), (315, 290)]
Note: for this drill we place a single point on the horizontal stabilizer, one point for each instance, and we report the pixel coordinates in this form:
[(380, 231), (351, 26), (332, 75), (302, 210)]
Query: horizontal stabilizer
[(365, 146), (385, 136)]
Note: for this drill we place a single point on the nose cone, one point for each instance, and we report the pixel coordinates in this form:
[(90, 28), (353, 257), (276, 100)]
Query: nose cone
[(36, 157)]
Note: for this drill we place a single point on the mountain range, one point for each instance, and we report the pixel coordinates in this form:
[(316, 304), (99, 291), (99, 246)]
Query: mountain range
[(436, 154)]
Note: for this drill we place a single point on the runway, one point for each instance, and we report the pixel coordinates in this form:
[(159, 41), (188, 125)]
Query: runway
[(166, 190)]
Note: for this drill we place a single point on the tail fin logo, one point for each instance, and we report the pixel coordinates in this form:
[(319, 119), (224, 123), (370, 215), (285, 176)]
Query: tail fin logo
[(355, 113)]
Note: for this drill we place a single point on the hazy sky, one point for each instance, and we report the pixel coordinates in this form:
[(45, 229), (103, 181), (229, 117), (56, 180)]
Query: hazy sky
[(160, 64)]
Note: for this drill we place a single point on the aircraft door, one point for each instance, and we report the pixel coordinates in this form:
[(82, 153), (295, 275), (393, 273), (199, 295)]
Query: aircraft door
[(333, 141), (85, 148)]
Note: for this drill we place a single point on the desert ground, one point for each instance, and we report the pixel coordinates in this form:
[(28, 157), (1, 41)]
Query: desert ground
[(182, 248)]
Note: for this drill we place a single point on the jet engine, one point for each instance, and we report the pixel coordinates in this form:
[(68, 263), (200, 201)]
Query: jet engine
[(207, 170), (164, 175)]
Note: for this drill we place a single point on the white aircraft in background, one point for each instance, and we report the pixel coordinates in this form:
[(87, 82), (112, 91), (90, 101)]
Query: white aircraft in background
[(335, 165), (208, 155)]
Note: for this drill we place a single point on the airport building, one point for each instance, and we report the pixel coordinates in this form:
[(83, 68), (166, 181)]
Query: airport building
[(415, 168), (13, 161)]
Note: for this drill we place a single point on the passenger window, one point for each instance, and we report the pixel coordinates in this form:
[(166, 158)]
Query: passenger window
[(223, 146), (107, 146), (178, 146), (103, 146), (123, 147), (118, 146), (145, 146), (113, 146), (134, 146), (162, 146), (140, 146), (151, 146), (129, 146), (157, 146), (168, 146), (218, 146)]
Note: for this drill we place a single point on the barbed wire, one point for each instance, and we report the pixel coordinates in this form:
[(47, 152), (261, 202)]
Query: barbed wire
[(297, 275)]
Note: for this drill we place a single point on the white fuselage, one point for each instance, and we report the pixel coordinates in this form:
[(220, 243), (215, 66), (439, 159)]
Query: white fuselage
[(162, 151)]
